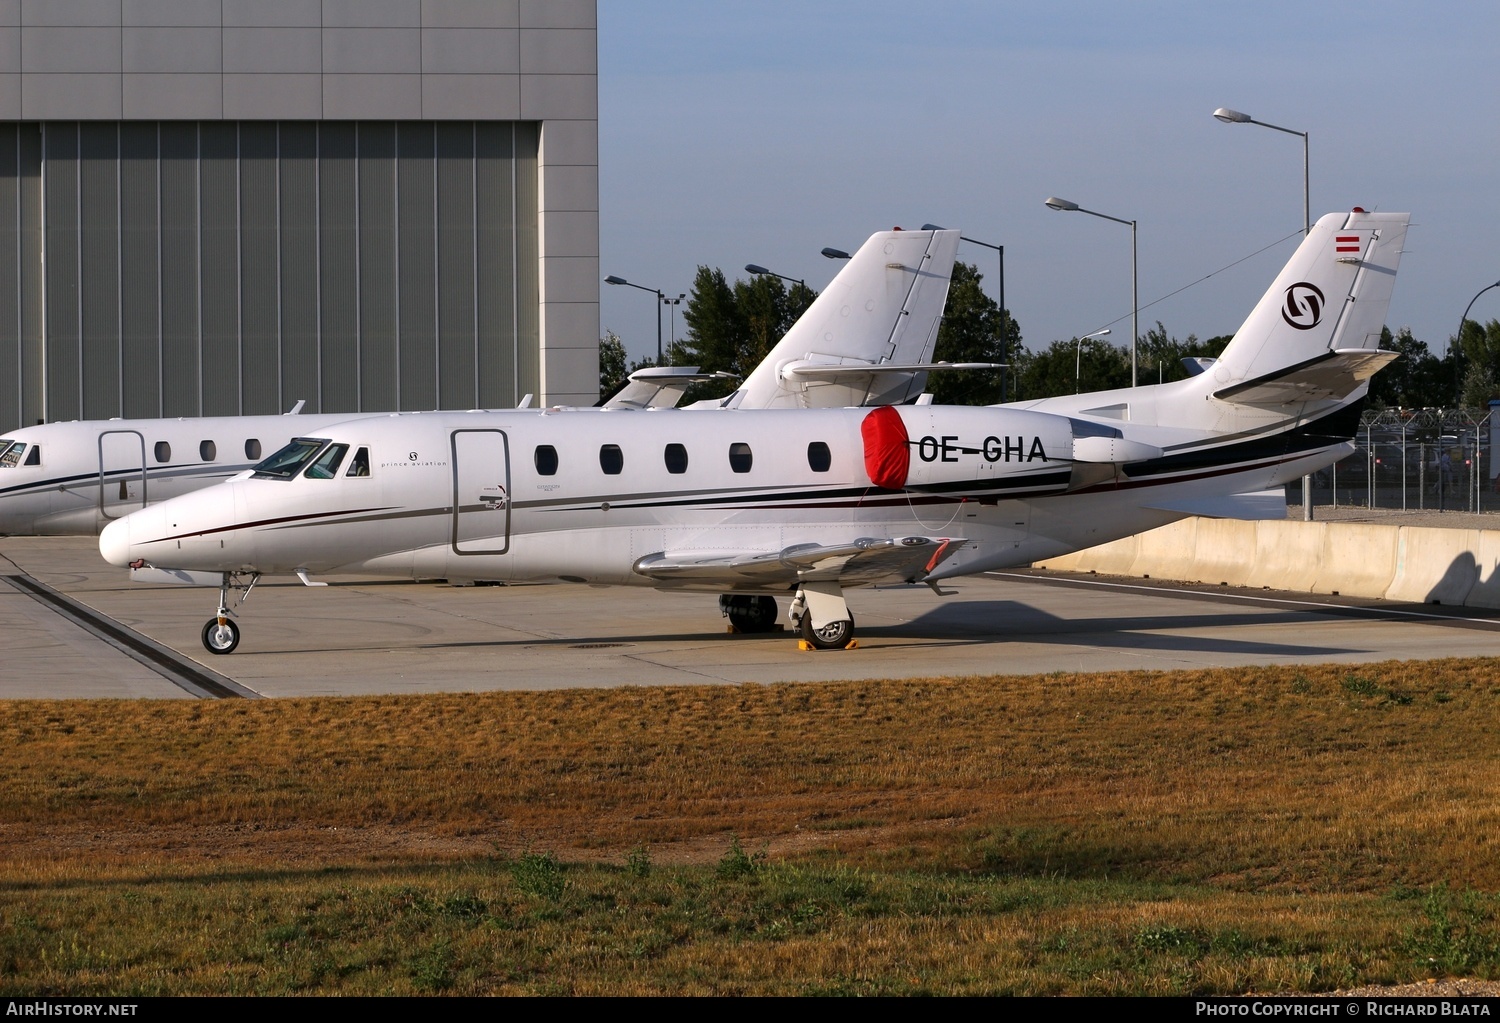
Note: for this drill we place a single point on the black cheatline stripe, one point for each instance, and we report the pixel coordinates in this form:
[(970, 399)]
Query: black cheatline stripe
[(1337, 427), (263, 522), (167, 663), (117, 474)]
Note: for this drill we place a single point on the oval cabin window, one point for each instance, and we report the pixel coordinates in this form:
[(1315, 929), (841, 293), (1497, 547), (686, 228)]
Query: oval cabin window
[(675, 455), (207, 451), (252, 450), (740, 457), (163, 451), (546, 460), (819, 458), (611, 459)]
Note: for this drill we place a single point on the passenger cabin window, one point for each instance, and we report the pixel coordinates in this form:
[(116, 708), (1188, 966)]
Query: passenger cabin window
[(252, 449), (819, 458), (740, 457), (675, 456), (10, 453), (359, 465), (611, 459), (546, 460), (327, 465), (163, 451), (207, 451)]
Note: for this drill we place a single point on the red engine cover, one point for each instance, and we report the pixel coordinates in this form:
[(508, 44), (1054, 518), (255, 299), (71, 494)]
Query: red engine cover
[(887, 448)]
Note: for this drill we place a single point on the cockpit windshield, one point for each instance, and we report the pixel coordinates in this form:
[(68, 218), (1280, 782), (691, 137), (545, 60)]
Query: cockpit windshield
[(11, 452), (290, 460), (327, 465)]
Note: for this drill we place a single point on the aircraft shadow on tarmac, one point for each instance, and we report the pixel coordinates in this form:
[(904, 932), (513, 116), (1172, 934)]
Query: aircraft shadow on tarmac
[(978, 622)]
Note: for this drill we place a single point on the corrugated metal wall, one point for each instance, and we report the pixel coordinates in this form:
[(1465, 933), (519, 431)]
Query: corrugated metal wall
[(221, 268)]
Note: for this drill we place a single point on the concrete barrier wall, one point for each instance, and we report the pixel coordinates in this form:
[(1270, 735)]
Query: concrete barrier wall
[(1413, 564)]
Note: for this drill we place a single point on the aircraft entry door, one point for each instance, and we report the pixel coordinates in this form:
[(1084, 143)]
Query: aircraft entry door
[(481, 492), (122, 473)]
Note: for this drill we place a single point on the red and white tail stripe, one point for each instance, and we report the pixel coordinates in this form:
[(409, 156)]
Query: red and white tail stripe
[(1346, 243)]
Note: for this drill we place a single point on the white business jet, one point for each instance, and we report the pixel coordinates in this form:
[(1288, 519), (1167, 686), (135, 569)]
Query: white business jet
[(871, 347), (804, 502)]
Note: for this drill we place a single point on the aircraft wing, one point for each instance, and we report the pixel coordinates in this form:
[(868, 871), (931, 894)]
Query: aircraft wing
[(857, 563)]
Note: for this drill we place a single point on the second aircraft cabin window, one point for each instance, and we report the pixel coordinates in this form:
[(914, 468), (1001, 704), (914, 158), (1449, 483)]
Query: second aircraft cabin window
[(327, 465), (163, 451), (740, 457), (207, 451), (675, 456), (546, 460), (819, 458), (611, 459), (252, 449)]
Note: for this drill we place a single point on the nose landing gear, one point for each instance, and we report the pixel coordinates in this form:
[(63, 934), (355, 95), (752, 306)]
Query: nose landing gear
[(220, 635)]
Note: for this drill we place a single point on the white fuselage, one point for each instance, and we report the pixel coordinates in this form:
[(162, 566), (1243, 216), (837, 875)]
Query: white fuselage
[(584, 497)]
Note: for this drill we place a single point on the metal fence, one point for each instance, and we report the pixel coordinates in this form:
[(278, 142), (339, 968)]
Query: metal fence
[(1414, 459)]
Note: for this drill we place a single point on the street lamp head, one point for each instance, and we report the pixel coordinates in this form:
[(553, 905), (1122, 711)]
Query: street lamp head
[(833, 253), (615, 280), (1053, 202), (1097, 333), (1231, 116), (752, 268)]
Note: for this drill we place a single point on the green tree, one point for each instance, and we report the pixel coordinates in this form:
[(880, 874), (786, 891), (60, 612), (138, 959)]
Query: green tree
[(612, 370), (1479, 345), (970, 332), (1071, 366), (732, 328), (1159, 357)]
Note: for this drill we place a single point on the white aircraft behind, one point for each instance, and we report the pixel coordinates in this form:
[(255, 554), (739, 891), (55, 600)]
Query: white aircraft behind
[(865, 340), (805, 503)]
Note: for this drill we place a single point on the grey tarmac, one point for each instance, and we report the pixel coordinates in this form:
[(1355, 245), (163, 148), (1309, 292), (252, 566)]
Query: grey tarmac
[(358, 637)]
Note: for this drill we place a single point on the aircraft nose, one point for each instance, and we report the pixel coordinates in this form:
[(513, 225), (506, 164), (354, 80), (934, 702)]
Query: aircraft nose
[(114, 542)]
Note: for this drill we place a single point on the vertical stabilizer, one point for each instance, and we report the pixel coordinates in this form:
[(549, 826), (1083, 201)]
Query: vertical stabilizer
[(1332, 296), (883, 307)]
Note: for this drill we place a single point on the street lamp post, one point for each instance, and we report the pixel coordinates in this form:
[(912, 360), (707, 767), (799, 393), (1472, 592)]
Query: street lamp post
[(672, 304), (757, 269), (1078, 356), (1458, 344), (1004, 336), (1235, 117), (1053, 202), (661, 300)]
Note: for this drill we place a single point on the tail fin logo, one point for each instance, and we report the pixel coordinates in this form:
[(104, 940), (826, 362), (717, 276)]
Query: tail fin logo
[(1304, 306)]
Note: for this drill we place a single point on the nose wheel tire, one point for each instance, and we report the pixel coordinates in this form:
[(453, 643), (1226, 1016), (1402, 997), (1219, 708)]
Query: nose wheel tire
[(833, 636), (220, 637)]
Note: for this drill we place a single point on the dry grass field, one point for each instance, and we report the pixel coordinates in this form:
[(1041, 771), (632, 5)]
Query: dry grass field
[(1267, 829)]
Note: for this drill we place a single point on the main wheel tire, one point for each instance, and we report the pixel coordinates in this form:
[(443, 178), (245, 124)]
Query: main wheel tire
[(833, 636), (749, 614), (220, 639)]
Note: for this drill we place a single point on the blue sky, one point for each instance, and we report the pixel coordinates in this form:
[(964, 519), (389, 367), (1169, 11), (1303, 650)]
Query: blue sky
[(758, 132)]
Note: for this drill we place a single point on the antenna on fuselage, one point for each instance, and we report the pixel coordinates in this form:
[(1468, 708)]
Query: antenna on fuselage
[(297, 407)]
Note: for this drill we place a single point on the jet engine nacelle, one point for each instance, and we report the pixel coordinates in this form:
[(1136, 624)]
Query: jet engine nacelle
[(910, 447)]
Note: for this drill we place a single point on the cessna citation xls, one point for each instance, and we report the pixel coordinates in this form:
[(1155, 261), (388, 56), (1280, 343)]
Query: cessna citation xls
[(804, 503), (867, 342)]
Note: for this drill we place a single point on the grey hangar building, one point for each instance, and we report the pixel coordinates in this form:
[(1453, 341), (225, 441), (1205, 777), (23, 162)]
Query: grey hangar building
[(220, 207)]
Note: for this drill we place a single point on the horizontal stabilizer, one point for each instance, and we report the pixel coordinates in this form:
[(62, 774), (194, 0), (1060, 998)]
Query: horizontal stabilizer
[(1331, 375), (859, 562), (1262, 504), (828, 371), (660, 386)]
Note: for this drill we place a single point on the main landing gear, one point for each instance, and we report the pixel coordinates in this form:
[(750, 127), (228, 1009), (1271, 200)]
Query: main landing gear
[(822, 616), (818, 612), (220, 635)]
